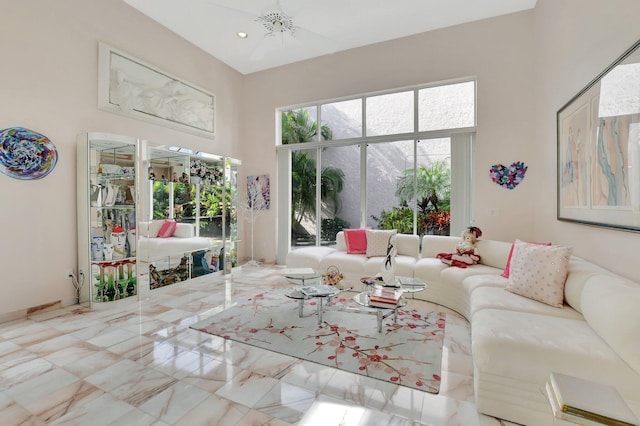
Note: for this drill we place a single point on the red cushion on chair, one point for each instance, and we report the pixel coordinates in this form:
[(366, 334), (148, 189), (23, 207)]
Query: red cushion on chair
[(167, 229), (505, 273), (356, 240)]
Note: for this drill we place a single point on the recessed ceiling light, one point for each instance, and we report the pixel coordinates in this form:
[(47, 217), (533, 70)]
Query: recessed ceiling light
[(242, 34)]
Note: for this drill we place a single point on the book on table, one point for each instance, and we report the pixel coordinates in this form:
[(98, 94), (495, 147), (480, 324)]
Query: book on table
[(385, 297), (318, 290), (410, 281), (586, 402)]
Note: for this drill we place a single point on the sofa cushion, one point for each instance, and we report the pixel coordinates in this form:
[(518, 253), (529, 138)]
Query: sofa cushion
[(539, 272), (377, 241), (493, 253), (611, 306), (150, 229), (355, 240), (167, 228), (344, 262), (184, 230), (404, 265), (434, 244), (508, 267), (408, 245), (308, 257), (579, 272), (496, 298)]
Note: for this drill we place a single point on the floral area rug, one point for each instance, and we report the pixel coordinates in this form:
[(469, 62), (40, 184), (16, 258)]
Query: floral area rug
[(407, 353)]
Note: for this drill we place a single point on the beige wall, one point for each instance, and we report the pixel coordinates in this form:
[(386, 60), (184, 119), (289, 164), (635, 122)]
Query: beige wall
[(576, 41), (527, 65), (503, 66), (48, 83)]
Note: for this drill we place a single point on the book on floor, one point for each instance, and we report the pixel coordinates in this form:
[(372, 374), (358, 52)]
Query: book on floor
[(318, 290), (587, 402)]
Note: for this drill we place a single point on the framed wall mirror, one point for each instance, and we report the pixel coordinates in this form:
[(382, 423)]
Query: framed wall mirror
[(599, 149)]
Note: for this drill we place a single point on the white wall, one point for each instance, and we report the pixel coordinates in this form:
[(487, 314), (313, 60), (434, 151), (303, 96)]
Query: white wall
[(497, 51), (48, 82), (576, 41)]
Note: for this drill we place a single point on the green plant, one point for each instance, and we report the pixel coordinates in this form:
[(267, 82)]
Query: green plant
[(329, 227), (433, 187), (297, 128), (400, 218)]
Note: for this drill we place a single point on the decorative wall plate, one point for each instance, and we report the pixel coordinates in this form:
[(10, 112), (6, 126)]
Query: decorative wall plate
[(25, 154), (508, 177)]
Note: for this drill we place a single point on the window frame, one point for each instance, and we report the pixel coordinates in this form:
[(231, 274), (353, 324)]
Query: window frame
[(462, 154)]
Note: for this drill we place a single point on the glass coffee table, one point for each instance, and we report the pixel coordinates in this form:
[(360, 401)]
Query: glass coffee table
[(363, 300), (403, 284), (303, 278), (298, 295)]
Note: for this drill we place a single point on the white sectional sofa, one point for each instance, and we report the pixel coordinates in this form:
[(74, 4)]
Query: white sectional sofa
[(183, 240), (516, 341)]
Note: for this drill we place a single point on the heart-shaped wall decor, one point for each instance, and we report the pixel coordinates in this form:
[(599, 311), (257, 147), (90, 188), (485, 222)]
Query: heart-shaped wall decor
[(508, 177)]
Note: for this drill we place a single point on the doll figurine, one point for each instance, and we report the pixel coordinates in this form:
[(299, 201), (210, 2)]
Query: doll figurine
[(466, 251)]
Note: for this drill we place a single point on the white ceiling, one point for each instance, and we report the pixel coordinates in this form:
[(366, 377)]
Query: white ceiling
[(322, 26)]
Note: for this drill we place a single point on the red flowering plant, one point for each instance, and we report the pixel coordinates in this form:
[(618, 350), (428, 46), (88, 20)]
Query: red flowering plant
[(437, 223)]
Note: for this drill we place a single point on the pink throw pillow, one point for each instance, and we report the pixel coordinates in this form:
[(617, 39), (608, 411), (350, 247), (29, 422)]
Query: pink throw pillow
[(356, 240), (505, 273), (167, 229)]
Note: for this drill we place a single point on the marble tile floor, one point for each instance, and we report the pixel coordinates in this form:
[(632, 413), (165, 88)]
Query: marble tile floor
[(138, 363)]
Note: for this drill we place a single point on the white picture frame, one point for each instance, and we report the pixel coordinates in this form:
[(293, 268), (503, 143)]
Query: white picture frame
[(131, 87)]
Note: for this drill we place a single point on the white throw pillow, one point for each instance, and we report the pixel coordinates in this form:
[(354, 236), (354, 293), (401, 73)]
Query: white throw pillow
[(377, 241), (539, 272)]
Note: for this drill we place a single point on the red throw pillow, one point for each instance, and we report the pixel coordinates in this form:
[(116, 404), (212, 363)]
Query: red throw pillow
[(505, 273), (356, 240), (167, 229)]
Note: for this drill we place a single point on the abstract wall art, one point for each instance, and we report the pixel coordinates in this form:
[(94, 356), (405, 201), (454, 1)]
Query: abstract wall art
[(598, 171), (128, 86), (25, 154)]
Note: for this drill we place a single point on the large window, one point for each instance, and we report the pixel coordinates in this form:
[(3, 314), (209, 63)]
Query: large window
[(394, 160)]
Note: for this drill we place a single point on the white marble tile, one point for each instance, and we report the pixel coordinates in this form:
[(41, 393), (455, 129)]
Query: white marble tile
[(212, 376), (143, 386), (92, 364), (40, 386), (332, 411), (12, 413), (286, 402), (247, 388), (184, 363), (309, 375), (24, 371), (174, 402), (56, 404), (215, 411), (99, 411), (111, 337), (72, 353), (115, 375)]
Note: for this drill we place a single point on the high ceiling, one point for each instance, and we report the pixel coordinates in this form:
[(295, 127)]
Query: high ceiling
[(320, 27)]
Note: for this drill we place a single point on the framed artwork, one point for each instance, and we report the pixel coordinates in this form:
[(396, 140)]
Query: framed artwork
[(599, 149), (258, 192), (131, 87)]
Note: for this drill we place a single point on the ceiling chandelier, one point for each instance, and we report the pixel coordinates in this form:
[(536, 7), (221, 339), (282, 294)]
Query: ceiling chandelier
[(277, 22)]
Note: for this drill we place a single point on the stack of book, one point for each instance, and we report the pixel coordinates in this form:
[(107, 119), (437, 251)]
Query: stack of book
[(385, 298), (587, 403)]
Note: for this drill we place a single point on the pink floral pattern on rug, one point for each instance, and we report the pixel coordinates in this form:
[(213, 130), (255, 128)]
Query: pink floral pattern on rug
[(407, 353)]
